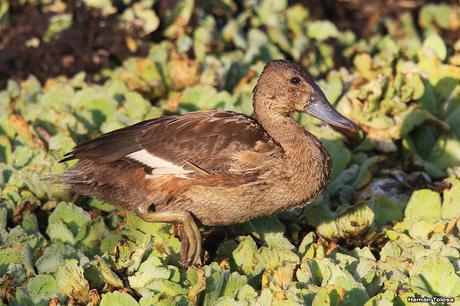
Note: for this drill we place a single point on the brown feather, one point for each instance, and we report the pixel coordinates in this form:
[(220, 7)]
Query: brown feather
[(190, 138)]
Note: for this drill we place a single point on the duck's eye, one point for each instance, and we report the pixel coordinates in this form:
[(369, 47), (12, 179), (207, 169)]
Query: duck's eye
[(295, 80)]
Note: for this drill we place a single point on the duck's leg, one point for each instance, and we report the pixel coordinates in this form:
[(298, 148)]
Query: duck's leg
[(190, 235)]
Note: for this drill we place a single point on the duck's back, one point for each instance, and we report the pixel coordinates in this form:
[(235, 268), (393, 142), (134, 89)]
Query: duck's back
[(155, 162), (207, 139)]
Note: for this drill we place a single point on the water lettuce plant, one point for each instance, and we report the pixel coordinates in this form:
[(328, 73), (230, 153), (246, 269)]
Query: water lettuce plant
[(386, 228)]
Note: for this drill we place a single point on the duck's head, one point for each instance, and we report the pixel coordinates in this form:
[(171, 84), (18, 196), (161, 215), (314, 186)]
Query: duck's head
[(285, 87)]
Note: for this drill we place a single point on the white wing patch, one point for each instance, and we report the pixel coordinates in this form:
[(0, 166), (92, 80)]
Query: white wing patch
[(160, 166)]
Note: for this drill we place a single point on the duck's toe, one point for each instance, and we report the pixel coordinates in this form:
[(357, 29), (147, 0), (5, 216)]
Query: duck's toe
[(190, 235), (191, 242)]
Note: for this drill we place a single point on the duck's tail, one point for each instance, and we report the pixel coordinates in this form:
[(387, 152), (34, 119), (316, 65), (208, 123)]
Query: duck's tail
[(78, 174)]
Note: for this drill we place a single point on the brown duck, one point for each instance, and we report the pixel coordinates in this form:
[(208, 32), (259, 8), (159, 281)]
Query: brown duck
[(216, 167)]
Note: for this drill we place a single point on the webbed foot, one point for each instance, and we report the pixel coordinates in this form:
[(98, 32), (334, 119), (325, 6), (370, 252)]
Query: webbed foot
[(190, 235)]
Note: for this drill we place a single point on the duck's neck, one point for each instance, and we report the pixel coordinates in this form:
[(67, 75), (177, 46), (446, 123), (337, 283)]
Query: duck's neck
[(302, 150), (290, 135), (306, 164)]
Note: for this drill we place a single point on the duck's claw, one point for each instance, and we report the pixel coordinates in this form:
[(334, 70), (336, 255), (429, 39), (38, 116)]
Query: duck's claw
[(191, 242), (190, 235)]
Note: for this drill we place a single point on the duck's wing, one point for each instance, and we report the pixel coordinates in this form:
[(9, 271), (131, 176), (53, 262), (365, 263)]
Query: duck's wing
[(195, 142)]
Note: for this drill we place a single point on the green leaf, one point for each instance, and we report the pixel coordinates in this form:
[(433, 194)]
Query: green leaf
[(424, 202), (445, 152), (352, 222), (341, 156), (53, 257), (203, 97), (215, 279), (245, 256), (150, 270), (451, 200), (364, 174), (110, 277), (201, 38), (435, 44), (70, 280), (140, 13), (414, 118), (233, 284), (271, 231), (10, 255), (433, 15), (42, 286), (92, 234), (436, 275), (66, 222), (178, 18), (118, 298), (321, 30), (386, 211), (57, 23), (333, 88)]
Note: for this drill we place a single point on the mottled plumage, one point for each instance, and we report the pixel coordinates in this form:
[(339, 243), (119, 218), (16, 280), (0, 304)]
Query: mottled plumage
[(219, 167)]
